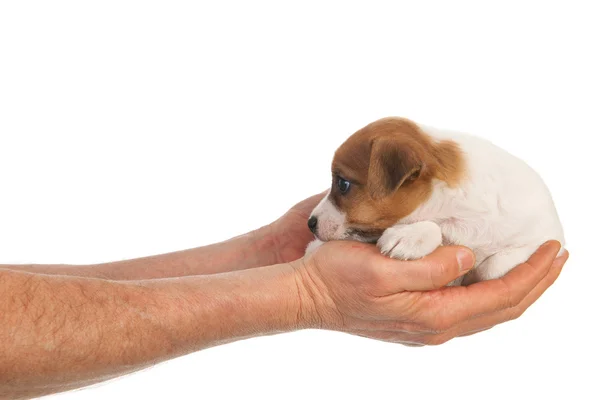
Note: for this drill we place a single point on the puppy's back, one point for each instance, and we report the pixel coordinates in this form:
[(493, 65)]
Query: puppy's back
[(517, 200)]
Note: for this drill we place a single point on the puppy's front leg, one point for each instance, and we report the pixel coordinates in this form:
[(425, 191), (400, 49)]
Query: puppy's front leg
[(410, 242)]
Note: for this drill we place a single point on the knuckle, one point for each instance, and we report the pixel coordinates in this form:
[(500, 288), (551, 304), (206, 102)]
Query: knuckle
[(515, 301), (434, 301), (436, 325), (425, 323), (374, 285), (437, 274), (516, 312), (438, 317), (508, 300), (374, 277), (436, 340), (509, 314), (444, 324)]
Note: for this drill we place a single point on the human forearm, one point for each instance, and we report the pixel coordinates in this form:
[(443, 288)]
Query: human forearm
[(253, 249), (58, 333), (250, 250)]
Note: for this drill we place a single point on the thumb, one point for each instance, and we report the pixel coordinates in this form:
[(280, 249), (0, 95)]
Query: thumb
[(431, 272)]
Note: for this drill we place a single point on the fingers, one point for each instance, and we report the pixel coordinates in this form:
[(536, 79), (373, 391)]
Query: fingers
[(487, 321), (515, 312), (511, 289), (431, 272), (410, 312), (413, 334), (454, 305)]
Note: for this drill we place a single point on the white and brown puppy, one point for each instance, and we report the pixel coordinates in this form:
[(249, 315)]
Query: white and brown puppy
[(412, 188)]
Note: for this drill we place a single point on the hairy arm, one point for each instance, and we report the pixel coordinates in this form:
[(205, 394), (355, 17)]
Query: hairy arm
[(253, 249), (62, 332), (281, 241)]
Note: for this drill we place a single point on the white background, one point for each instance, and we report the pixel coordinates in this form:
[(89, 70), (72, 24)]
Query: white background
[(136, 128)]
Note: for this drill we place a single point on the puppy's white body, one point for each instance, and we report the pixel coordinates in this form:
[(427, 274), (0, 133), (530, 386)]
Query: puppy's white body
[(501, 209)]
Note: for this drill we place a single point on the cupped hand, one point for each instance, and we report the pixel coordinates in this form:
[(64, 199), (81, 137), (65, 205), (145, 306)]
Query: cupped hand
[(290, 233), (351, 287)]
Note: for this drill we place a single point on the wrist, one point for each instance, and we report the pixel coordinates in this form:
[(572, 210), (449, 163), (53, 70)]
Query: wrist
[(311, 298), (208, 310), (250, 250), (264, 244), (317, 307)]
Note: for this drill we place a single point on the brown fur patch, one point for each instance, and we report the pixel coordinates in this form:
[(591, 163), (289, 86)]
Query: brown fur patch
[(391, 164)]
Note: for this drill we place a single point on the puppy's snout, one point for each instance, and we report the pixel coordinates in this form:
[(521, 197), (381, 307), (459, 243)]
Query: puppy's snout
[(312, 224)]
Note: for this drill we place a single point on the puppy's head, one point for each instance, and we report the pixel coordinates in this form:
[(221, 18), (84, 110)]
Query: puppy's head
[(380, 175)]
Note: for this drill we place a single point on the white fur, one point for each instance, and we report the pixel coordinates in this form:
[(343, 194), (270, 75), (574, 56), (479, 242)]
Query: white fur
[(410, 241), (331, 220), (502, 210), (312, 246)]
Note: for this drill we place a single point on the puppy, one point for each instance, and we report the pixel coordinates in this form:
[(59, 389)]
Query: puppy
[(411, 188)]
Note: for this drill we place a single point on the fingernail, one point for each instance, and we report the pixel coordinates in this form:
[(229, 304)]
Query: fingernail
[(466, 259)]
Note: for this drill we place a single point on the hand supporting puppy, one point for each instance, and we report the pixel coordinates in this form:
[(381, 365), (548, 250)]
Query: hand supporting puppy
[(351, 287)]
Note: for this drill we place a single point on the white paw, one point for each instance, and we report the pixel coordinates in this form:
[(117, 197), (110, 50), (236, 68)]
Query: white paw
[(410, 242), (312, 246)]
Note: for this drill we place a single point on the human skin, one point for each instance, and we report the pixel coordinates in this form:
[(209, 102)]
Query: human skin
[(282, 241), (63, 327)]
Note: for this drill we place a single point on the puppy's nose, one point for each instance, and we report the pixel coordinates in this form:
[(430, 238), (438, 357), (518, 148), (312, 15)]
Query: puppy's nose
[(312, 224)]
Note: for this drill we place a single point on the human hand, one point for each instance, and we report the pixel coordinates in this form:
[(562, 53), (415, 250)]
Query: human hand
[(351, 287), (290, 233)]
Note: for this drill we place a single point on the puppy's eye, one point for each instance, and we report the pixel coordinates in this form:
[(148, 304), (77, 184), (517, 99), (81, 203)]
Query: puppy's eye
[(343, 185)]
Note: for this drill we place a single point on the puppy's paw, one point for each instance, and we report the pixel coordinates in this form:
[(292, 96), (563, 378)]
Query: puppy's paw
[(410, 242), (312, 246)]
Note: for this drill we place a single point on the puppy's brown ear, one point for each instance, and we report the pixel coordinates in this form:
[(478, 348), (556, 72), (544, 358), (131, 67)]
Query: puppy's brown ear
[(392, 164)]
